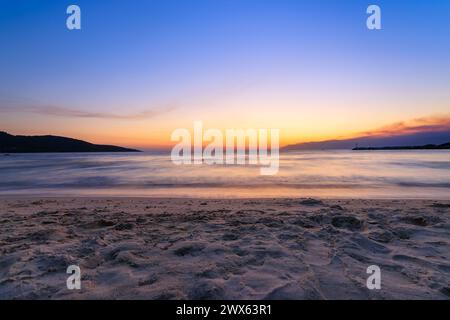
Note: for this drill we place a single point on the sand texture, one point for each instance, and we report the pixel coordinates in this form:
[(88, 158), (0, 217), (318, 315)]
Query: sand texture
[(146, 248)]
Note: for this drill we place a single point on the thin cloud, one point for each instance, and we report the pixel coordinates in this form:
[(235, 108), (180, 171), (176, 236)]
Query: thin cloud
[(424, 124), (74, 113)]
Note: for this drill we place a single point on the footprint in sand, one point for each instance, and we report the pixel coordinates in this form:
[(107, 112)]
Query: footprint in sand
[(188, 248), (347, 222), (102, 223)]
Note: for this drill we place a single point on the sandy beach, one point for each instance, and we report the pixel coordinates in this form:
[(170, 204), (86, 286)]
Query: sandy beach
[(148, 248)]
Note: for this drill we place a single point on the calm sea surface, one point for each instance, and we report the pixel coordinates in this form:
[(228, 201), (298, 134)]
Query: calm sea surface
[(347, 174)]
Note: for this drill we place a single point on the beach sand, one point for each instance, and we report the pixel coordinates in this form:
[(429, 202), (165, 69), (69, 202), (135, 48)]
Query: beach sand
[(146, 248)]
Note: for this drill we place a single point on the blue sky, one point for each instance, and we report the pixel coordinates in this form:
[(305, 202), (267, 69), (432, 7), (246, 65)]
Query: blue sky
[(275, 63)]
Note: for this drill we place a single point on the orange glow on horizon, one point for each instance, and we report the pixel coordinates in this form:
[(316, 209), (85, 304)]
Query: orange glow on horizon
[(148, 135)]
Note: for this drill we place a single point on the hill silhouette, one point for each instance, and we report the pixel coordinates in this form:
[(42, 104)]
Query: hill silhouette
[(425, 147), (30, 144), (405, 140)]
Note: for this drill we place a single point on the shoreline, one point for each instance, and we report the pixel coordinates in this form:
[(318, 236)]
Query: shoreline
[(213, 197)]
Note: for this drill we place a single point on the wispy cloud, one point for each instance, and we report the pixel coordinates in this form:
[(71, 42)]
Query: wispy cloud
[(424, 124), (74, 113)]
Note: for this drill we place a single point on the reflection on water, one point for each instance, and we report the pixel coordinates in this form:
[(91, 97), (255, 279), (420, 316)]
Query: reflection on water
[(354, 174)]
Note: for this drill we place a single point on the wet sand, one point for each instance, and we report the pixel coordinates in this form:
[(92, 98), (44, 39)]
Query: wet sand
[(148, 248)]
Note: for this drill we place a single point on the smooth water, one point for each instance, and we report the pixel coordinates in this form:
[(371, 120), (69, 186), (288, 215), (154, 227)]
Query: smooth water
[(340, 174)]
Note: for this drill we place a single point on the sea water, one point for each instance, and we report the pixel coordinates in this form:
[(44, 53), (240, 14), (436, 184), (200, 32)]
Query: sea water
[(332, 174)]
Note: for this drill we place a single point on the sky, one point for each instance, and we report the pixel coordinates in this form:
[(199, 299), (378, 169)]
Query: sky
[(137, 70)]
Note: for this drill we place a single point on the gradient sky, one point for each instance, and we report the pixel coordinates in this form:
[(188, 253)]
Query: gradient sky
[(140, 69)]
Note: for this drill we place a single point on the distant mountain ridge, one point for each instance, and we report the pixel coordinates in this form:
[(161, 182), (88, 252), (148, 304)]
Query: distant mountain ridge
[(425, 147), (415, 139), (34, 144)]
